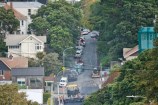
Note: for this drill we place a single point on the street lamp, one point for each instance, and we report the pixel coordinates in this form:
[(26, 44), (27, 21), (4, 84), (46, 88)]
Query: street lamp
[(64, 55)]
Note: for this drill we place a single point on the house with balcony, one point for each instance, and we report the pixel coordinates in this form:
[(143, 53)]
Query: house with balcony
[(25, 45)]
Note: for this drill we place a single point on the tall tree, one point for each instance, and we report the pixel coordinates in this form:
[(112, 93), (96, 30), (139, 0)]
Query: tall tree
[(8, 23), (63, 18)]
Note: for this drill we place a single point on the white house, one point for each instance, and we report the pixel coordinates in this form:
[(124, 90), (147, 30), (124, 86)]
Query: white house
[(26, 9), (25, 45)]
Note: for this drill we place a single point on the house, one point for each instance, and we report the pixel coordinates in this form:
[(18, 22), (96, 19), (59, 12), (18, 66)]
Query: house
[(25, 45), (6, 64), (130, 53), (31, 77), (48, 82), (26, 8), (22, 19)]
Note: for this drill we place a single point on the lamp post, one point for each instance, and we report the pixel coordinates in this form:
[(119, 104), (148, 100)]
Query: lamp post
[(64, 55)]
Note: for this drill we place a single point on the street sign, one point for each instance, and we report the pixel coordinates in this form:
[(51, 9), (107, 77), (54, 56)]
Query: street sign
[(63, 68)]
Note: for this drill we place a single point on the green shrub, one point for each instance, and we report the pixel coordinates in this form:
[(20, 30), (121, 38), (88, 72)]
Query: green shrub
[(45, 97)]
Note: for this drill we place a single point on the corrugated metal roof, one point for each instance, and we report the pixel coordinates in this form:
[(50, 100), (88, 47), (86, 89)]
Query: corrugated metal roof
[(31, 71)]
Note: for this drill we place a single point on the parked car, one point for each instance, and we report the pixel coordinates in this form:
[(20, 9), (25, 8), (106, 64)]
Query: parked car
[(80, 48), (83, 43), (82, 38), (72, 77), (78, 54), (94, 34), (85, 31), (96, 73), (63, 82)]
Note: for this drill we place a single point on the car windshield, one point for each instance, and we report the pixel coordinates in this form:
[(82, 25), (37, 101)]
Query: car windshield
[(62, 81)]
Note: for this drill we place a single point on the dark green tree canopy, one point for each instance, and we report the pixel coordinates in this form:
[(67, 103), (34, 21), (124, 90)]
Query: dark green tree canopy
[(119, 21), (8, 22), (60, 21)]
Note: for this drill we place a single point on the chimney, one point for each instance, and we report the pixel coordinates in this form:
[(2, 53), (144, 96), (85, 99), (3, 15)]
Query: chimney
[(11, 5)]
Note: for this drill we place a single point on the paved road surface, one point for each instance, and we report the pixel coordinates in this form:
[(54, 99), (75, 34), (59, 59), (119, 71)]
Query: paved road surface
[(86, 84)]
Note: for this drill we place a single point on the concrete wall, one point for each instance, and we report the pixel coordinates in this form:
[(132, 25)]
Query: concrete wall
[(33, 94)]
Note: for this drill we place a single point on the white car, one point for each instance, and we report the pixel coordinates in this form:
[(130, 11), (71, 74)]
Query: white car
[(85, 31), (78, 54), (63, 82), (94, 34)]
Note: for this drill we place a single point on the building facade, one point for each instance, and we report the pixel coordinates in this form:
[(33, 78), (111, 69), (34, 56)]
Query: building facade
[(146, 36), (25, 45)]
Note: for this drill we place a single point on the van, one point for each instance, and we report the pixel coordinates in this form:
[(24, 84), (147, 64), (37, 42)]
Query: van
[(63, 82)]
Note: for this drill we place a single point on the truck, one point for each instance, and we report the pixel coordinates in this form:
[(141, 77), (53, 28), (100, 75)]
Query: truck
[(73, 94), (96, 73)]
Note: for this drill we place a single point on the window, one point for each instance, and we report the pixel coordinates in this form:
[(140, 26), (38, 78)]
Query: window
[(13, 47), (22, 22), (1, 72), (29, 11), (38, 46), (21, 81)]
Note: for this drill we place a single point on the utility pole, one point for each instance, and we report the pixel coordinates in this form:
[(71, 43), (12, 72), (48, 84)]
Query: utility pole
[(51, 100), (101, 73)]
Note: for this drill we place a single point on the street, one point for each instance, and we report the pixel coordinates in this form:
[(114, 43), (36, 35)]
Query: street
[(86, 84)]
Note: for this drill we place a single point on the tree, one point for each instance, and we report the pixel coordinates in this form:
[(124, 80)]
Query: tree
[(60, 39), (9, 95), (9, 23), (51, 63), (137, 77), (40, 26), (59, 18), (119, 22)]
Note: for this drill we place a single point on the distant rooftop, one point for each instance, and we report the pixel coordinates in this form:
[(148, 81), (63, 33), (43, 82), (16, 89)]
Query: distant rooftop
[(26, 4), (31, 71)]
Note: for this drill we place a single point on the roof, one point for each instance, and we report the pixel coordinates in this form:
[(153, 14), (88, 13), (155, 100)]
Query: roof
[(3, 66), (130, 52), (146, 29), (26, 4), (16, 39), (48, 78), (16, 62), (17, 14), (30, 71)]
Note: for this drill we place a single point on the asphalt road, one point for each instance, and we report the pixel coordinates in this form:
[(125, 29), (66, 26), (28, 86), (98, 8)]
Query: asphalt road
[(88, 85)]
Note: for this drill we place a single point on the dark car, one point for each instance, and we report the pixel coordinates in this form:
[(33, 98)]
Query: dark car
[(72, 78)]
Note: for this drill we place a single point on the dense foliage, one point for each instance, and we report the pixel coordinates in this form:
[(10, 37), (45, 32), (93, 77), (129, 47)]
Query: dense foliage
[(118, 22), (10, 96), (137, 77), (60, 21), (50, 62), (8, 23)]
